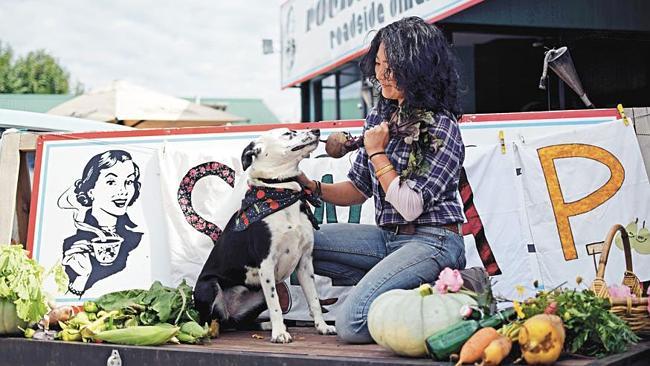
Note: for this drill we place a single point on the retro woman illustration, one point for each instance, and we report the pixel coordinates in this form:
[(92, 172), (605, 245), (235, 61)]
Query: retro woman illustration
[(109, 185)]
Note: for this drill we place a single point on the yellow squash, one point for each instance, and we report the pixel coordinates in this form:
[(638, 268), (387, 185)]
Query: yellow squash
[(541, 339), (496, 351)]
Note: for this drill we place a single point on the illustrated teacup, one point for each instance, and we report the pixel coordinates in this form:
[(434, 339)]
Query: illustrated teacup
[(106, 251)]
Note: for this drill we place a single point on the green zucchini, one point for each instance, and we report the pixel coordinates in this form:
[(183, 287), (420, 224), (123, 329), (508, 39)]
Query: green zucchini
[(442, 344)]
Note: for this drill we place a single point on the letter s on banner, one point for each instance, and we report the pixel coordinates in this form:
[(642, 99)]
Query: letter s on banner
[(563, 210)]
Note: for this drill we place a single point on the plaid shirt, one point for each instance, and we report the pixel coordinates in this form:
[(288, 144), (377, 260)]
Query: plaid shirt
[(439, 188)]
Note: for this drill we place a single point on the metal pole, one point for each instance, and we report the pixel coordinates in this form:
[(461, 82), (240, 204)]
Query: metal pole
[(560, 95), (305, 105), (337, 91)]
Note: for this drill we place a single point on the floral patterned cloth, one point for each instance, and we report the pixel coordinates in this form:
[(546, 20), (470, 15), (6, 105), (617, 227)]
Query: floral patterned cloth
[(185, 195), (260, 202)]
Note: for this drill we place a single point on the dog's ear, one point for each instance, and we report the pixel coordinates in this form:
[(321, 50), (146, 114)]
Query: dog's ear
[(247, 155)]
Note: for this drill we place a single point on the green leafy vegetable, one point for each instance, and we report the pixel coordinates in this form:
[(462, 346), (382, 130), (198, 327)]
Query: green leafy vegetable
[(159, 304), (21, 281), (591, 328)]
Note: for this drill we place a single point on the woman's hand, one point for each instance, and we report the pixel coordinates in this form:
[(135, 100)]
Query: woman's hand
[(376, 138), (306, 182)]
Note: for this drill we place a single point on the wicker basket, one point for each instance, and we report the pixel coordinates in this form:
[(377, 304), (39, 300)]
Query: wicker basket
[(633, 310)]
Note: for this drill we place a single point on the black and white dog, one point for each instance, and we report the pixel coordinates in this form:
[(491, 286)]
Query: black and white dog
[(265, 241)]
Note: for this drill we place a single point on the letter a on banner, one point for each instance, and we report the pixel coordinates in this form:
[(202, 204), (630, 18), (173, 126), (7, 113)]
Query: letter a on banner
[(563, 210)]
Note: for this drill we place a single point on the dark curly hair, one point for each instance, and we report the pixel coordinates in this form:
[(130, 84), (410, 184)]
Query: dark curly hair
[(421, 63), (91, 172)]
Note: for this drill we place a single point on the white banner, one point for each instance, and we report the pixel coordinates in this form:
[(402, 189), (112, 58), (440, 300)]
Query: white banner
[(191, 222), (577, 185), (496, 231), (212, 201), (319, 35)]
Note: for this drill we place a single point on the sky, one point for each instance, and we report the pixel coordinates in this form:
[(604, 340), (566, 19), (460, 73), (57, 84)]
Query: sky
[(190, 48)]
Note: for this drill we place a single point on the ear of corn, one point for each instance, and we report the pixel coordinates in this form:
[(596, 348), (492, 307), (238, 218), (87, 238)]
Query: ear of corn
[(194, 329), (186, 338), (152, 335)]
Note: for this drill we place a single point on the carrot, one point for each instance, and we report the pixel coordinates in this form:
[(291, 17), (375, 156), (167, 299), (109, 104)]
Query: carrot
[(496, 351), (472, 350)]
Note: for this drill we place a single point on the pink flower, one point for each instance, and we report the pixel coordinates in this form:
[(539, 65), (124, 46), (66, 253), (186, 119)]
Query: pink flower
[(619, 291), (449, 280)]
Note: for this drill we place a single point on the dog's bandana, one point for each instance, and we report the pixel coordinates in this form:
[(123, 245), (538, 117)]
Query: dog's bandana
[(260, 202)]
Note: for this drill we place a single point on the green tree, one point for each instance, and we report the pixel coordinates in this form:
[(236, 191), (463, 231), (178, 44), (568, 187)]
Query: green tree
[(38, 73), (6, 54)]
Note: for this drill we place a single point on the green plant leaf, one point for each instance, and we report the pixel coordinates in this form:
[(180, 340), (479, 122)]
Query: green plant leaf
[(158, 304), (591, 329), (21, 281)]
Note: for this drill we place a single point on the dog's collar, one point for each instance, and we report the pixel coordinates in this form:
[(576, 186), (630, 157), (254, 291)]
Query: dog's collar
[(261, 201), (276, 181)]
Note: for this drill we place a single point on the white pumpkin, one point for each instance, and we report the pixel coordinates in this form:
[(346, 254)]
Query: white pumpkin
[(401, 320)]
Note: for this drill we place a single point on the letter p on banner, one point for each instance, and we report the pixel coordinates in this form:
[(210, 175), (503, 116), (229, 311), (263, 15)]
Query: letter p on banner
[(562, 210)]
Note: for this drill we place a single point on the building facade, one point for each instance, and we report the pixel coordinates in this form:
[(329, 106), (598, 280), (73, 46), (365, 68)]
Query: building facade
[(500, 44)]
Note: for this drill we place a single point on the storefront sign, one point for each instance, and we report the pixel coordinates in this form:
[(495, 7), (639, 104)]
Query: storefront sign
[(317, 36)]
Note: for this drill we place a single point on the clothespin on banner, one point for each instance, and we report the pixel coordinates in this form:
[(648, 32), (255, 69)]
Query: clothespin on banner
[(621, 111), (502, 141)]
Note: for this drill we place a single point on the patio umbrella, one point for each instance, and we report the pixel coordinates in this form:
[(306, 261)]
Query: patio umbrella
[(132, 105)]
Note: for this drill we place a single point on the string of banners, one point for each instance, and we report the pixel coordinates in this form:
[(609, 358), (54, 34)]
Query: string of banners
[(539, 192)]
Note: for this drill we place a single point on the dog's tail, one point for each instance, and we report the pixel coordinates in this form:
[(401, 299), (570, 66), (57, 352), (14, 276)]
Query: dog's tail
[(185, 195)]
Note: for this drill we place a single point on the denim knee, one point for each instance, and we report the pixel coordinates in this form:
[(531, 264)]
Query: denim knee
[(352, 327)]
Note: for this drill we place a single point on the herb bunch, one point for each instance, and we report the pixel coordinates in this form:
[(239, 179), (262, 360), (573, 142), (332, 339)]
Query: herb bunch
[(417, 136), (591, 329)]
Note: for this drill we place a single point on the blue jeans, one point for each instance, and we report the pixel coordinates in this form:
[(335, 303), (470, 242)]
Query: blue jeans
[(377, 260)]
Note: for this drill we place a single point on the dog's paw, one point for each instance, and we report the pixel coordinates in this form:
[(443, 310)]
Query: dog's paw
[(326, 329), (281, 337)]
